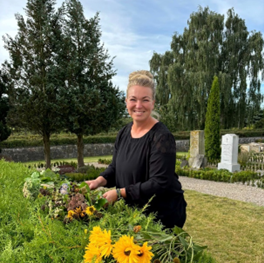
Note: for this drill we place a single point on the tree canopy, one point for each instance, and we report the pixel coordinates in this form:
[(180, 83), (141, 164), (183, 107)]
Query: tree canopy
[(59, 73), (212, 124), (4, 107), (93, 104), (211, 45)]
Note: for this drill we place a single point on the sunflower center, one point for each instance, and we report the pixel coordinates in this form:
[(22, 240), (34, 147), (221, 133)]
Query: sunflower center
[(91, 209), (127, 252), (140, 254)]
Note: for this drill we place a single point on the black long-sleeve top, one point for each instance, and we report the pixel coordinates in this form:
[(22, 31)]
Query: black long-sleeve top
[(145, 167)]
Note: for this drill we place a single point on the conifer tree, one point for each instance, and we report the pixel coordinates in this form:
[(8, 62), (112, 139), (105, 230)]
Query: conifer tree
[(212, 123), (92, 103), (35, 71)]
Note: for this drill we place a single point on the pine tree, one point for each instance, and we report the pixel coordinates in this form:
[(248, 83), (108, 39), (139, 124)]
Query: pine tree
[(35, 71), (212, 123), (92, 103)]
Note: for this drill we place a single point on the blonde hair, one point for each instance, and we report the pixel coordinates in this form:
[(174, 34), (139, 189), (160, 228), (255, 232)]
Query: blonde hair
[(145, 79), (142, 78)]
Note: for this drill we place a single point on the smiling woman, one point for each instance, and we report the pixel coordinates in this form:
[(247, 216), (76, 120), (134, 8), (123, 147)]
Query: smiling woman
[(143, 164)]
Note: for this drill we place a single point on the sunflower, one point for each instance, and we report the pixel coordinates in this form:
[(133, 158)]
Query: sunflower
[(105, 243), (95, 233), (101, 239), (125, 251), (90, 210), (92, 254), (70, 214), (143, 253)]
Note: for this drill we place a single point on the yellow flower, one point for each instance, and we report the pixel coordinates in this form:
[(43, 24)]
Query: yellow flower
[(94, 233), (143, 253), (78, 210), (85, 231), (101, 239), (105, 243), (125, 251), (90, 210), (92, 254), (70, 214)]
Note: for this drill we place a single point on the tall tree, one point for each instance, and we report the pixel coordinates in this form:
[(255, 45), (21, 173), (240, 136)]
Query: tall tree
[(210, 46), (34, 68), (4, 107), (93, 104), (212, 123)]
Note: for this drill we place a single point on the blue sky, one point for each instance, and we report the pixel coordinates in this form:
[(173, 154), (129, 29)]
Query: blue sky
[(133, 29)]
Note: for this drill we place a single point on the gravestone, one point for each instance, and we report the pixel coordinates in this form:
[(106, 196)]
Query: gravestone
[(229, 153), (197, 151)]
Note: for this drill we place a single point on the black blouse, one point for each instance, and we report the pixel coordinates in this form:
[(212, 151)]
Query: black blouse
[(145, 167)]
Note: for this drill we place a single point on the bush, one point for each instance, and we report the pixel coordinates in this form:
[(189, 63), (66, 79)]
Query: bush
[(222, 175)]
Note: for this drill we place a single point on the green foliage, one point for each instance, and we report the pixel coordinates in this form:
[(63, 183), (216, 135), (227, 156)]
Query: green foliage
[(222, 175), (92, 104), (212, 124), (4, 108), (28, 233), (104, 161), (60, 74), (34, 71), (211, 44), (89, 173)]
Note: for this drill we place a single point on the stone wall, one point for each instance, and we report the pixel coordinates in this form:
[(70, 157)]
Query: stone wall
[(28, 154), (70, 151)]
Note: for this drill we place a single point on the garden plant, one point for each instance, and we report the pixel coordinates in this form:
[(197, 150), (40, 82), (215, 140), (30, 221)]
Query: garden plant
[(50, 218)]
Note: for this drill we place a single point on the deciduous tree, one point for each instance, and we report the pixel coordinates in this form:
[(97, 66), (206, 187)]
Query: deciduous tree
[(210, 46)]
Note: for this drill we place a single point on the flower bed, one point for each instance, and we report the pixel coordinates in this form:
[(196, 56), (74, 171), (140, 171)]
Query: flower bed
[(112, 233)]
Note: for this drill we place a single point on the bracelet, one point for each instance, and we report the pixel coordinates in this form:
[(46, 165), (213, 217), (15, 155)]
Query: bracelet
[(119, 196)]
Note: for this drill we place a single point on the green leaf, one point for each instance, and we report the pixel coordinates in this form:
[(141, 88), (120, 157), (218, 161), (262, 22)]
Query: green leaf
[(100, 203)]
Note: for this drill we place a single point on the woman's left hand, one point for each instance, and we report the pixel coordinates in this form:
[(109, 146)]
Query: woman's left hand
[(110, 196)]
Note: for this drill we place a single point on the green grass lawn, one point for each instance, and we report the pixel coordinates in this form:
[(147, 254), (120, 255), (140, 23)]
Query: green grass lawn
[(86, 159), (232, 230)]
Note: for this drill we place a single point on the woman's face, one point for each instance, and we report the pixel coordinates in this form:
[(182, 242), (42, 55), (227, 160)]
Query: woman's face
[(139, 103)]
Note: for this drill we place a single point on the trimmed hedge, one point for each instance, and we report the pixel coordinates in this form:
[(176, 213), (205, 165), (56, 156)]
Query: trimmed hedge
[(222, 175), (17, 141)]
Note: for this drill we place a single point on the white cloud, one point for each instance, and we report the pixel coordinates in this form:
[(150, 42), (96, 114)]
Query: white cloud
[(132, 30)]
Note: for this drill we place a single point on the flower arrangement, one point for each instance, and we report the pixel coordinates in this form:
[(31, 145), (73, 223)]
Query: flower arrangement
[(115, 233)]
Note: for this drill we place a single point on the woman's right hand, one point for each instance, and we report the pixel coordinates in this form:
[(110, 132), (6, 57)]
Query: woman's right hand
[(94, 184)]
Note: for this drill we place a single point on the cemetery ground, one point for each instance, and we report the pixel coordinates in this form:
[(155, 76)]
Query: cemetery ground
[(232, 230)]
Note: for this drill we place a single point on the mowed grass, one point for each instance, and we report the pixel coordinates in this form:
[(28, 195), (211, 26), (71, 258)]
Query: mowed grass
[(86, 159), (232, 230)]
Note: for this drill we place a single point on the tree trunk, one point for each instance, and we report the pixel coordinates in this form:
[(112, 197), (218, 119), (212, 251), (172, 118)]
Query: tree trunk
[(80, 148), (46, 142)]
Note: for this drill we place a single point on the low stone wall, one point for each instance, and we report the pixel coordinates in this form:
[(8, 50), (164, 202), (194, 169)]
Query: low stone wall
[(28, 154), (70, 151)]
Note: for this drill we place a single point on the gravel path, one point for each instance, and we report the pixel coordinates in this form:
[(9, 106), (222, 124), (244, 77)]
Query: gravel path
[(234, 191)]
